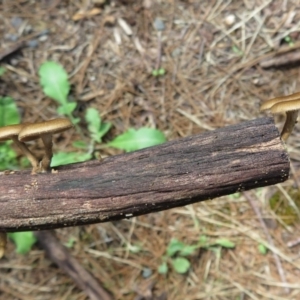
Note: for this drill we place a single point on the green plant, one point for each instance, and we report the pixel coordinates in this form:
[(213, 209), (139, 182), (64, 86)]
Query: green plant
[(8, 115), (158, 72), (262, 249), (23, 241), (133, 139), (175, 255), (177, 252), (96, 128), (289, 41), (2, 71), (55, 83)]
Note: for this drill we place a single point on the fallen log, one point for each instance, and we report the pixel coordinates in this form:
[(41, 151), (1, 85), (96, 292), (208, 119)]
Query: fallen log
[(196, 168)]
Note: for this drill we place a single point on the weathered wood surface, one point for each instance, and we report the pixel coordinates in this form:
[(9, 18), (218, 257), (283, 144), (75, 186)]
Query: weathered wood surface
[(188, 170)]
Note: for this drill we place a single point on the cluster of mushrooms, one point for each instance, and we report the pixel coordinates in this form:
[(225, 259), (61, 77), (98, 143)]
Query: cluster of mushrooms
[(26, 132), (289, 104)]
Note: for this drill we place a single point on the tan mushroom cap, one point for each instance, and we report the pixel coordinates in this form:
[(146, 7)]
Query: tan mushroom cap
[(9, 131), (36, 130), (286, 106), (270, 103)]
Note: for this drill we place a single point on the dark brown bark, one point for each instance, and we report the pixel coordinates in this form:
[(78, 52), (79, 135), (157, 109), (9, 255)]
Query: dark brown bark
[(61, 256), (196, 168)]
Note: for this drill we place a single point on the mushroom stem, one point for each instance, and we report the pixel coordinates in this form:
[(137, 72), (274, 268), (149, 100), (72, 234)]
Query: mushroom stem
[(291, 120), (3, 241), (46, 161), (30, 156)]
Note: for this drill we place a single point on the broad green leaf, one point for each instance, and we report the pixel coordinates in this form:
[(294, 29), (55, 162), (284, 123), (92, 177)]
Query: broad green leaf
[(54, 80), (133, 139), (188, 250), (9, 113), (181, 265), (163, 268), (65, 158), (23, 241), (104, 128), (67, 108), (225, 243), (174, 246)]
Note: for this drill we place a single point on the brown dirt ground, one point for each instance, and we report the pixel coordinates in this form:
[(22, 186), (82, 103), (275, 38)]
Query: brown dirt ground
[(213, 52)]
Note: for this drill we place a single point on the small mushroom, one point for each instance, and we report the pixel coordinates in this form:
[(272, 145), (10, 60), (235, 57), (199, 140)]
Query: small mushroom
[(290, 105), (269, 103), (11, 132), (44, 130)]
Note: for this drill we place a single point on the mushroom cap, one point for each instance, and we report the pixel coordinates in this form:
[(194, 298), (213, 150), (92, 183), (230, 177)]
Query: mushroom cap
[(271, 102), (7, 132), (36, 130), (286, 106)]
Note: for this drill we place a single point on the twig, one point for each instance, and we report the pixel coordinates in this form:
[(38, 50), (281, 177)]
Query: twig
[(61, 256)]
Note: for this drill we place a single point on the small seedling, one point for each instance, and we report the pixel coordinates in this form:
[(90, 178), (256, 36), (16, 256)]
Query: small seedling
[(23, 241), (237, 50), (177, 251), (158, 72), (96, 128), (55, 83), (175, 256), (262, 249), (289, 41), (133, 139)]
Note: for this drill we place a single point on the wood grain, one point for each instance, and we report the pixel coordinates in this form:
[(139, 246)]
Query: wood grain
[(200, 167)]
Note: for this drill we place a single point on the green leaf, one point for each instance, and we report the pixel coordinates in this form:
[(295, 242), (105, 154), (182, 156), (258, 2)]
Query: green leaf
[(80, 144), (163, 268), (174, 246), (203, 241), (262, 249), (181, 265), (133, 139), (8, 157), (161, 71), (2, 71), (67, 108), (188, 250), (96, 128), (64, 158), (23, 241), (225, 243), (54, 80), (155, 73), (70, 243), (9, 113)]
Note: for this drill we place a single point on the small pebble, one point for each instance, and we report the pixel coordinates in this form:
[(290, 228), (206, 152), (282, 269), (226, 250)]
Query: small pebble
[(11, 37), (16, 22), (32, 43), (229, 20), (159, 25), (146, 272)]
